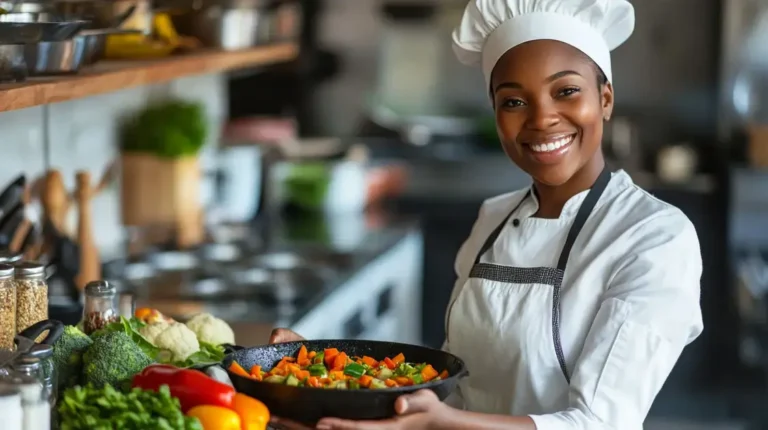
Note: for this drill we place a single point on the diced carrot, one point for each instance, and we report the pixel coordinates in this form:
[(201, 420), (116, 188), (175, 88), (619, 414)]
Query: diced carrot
[(312, 354), (301, 374), (329, 355), (255, 370), (303, 354), (389, 363), (429, 373), (390, 383), (370, 361), (403, 381), (313, 381), (339, 361), (278, 371), (337, 375), (238, 369), (365, 381), (325, 381), (444, 374), (399, 358), (292, 368)]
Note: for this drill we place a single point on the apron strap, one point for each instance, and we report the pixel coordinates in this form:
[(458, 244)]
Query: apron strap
[(582, 215)]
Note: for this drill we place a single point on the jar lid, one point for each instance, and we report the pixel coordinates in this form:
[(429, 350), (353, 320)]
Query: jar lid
[(6, 271), (38, 351), (29, 269), (99, 288), (7, 256)]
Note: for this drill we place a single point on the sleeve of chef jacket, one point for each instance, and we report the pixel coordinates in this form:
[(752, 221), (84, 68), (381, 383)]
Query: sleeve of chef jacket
[(649, 313)]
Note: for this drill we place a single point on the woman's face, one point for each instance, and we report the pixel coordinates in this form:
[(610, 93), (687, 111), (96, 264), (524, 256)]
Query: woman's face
[(550, 109)]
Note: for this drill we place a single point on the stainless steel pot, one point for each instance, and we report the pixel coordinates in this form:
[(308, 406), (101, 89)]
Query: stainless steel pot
[(228, 24), (55, 58), (95, 42)]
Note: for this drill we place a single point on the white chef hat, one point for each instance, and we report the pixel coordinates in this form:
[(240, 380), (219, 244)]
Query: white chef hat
[(489, 28)]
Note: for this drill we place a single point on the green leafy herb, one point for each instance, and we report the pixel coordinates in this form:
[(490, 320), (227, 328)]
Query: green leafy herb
[(172, 129), (106, 408)]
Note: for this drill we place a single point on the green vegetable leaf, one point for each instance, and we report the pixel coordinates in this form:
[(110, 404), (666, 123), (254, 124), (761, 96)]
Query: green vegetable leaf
[(209, 354)]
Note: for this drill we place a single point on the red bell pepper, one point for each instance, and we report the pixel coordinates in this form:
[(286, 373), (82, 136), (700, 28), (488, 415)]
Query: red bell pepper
[(191, 387)]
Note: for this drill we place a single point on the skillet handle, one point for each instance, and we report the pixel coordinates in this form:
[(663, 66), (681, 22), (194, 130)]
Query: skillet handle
[(229, 349), (55, 330)]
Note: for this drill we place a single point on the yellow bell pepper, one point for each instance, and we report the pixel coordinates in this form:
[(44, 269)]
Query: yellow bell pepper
[(216, 417), (254, 415)]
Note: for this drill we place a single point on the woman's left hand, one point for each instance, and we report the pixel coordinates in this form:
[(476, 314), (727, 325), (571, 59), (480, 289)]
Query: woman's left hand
[(420, 410)]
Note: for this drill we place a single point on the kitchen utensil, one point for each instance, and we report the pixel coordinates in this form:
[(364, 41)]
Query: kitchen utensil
[(12, 195), (95, 41), (33, 32), (10, 224), (13, 67), (228, 24), (90, 263), (55, 58), (25, 339), (308, 405)]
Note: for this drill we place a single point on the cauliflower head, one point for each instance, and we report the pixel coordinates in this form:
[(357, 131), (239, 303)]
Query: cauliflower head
[(150, 331), (175, 338), (212, 330)]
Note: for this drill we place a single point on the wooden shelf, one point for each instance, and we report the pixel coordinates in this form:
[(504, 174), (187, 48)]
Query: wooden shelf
[(108, 76)]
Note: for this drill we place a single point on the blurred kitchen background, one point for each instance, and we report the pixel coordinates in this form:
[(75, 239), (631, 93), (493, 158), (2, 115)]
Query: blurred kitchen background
[(329, 188)]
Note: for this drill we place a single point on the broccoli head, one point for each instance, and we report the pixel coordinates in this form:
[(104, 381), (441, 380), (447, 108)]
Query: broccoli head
[(113, 359), (68, 356)]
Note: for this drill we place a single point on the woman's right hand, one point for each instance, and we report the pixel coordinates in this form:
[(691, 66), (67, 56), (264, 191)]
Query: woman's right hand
[(282, 335)]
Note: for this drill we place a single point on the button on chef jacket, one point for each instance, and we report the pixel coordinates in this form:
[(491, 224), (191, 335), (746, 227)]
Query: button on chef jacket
[(629, 304)]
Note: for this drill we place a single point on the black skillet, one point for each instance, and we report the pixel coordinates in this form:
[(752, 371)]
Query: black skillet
[(308, 405)]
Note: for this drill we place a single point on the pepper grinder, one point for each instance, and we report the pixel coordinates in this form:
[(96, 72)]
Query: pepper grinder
[(90, 265)]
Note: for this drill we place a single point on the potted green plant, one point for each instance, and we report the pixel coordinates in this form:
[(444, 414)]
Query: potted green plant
[(161, 173)]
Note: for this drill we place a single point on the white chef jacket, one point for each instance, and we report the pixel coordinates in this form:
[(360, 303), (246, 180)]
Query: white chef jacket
[(629, 305)]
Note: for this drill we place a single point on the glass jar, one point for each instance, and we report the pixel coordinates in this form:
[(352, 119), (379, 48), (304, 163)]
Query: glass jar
[(36, 408), (7, 307), (10, 406), (31, 295), (100, 306), (38, 362)]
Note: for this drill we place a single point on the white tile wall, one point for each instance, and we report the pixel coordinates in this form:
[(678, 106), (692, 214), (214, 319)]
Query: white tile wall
[(83, 135)]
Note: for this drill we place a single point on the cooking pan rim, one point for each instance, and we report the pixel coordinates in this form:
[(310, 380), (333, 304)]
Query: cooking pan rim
[(462, 373)]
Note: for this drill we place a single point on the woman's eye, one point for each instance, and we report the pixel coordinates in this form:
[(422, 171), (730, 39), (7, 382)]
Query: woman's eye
[(513, 103), (565, 92)]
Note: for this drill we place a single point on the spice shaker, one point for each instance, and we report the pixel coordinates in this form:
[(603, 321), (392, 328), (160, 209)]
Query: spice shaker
[(7, 307), (31, 295), (10, 407), (100, 307), (36, 410), (38, 363)]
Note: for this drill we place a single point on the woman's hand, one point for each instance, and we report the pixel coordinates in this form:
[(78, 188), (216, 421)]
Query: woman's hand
[(282, 335), (421, 410)]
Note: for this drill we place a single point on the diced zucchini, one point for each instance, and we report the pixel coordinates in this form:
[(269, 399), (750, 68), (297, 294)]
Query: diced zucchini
[(377, 384), (353, 384), (385, 374), (339, 385), (275, 379), (417, 379), (319, 358), (292, 381)]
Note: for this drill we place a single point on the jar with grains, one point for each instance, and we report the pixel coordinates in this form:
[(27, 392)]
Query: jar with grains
[(100, 306), (7, 307), (31, 295)]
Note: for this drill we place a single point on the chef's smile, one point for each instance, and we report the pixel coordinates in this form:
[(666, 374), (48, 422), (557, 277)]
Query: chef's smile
[(551, 149)]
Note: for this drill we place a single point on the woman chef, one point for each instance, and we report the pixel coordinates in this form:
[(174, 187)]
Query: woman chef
[(576, 295)]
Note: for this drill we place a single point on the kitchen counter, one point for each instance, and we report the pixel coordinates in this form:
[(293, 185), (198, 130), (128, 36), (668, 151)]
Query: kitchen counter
[(348, 276)]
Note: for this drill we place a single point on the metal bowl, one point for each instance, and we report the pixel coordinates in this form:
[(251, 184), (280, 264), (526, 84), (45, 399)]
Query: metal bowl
[(34, 32), (55, 58), (13, 67), (26, 17)]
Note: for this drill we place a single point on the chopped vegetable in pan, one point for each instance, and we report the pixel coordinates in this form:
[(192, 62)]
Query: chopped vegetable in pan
[(333, 369)]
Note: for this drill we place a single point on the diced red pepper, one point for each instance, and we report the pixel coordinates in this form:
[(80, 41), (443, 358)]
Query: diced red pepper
[(389, 363)]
